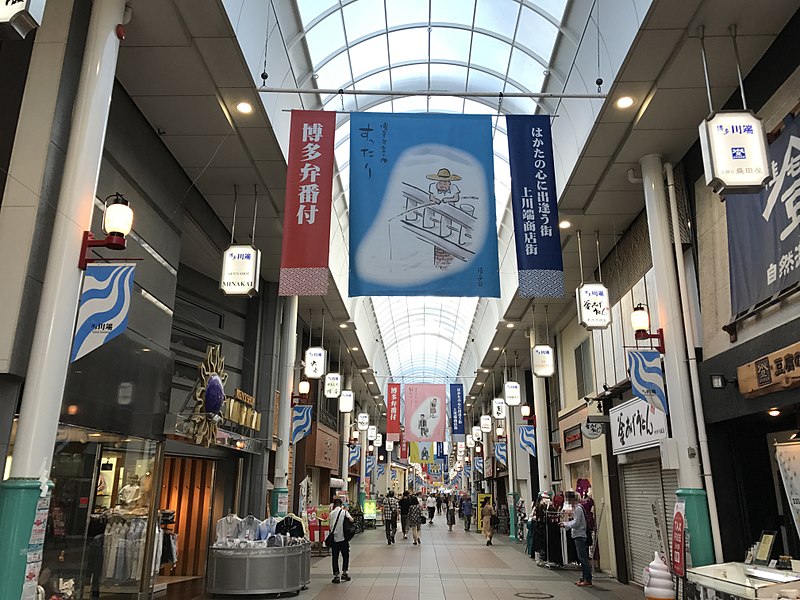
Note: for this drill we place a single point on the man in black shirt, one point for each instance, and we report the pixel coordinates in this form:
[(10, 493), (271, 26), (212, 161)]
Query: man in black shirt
[(405, 503)]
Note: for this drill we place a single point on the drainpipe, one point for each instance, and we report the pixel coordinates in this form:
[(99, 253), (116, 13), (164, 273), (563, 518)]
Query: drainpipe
[(702, 436), (280, 494)]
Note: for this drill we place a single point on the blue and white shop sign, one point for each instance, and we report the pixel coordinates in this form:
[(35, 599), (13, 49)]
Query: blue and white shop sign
[(241, 271), (594, 306), (734, 151), (315, 363), (636, 425)]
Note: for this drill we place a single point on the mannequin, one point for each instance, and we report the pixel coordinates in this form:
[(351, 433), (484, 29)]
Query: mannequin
[(130, 494)]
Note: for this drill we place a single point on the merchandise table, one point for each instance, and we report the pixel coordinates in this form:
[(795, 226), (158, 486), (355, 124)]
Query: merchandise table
[(256, 571), (731, 581)]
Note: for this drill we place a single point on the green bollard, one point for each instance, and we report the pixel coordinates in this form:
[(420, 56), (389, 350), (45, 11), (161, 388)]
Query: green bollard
[(698, 523), (18, 500)]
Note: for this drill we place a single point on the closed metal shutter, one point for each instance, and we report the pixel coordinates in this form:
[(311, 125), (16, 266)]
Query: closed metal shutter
[(669, 483), (642, 485)]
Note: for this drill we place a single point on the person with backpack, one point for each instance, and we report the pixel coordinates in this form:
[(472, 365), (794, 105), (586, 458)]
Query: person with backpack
[(578, 528), (337, 541)]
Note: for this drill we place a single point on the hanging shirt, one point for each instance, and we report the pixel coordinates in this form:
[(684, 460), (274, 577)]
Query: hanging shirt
[(228, 527), (248, 528)]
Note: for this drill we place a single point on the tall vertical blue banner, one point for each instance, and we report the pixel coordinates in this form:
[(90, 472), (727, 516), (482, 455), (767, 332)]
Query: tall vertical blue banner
[(422, 206), (535, 206), (457, 411), (439, 453)]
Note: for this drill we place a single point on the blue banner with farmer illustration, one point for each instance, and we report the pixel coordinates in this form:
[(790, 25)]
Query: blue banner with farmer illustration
[(535, 206), (422, 206)]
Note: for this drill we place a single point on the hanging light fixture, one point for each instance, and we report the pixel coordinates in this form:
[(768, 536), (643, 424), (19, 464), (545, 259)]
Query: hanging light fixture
[(303, 387), (525, 410), (117, 223), (499, 431), (640, 321), (346, 401)]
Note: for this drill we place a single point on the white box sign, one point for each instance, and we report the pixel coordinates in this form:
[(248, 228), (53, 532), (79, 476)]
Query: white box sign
[(241, 269), (594, 307), (499, 408), (23, 16), (333, 385), (363, 421), (315, 363), (636, 425), (544, 360)]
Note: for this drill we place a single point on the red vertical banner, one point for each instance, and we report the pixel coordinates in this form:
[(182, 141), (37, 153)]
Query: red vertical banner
[(393, 412), (403, 447), (307, 208)]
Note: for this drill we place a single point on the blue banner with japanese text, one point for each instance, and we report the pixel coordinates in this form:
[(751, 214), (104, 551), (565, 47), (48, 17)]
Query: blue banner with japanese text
[(422, 206), (764, 229), (457, 411), (535, 206)]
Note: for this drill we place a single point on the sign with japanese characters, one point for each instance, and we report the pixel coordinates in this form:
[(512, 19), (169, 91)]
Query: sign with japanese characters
[(544, 360), (333, 385), (104, 304), (23, 16), (241, 271), (734, 151), (647, 378), (764, 229), (477, 435), (499, 408), (594, 306), (513, 393), (426, 412), (535, 206), (678, 553), (372, 433), (486, 424), (457, 410), (378, 440), (393, 412), (362, 421), (315, 363), (573, 438), (307, 208), (773, 372), (422, 207), (636, 425)]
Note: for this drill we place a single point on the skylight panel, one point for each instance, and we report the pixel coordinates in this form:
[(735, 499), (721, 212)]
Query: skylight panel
[(536, 33), (490, 52), (334, 73), (368, 56), (325, 38), (498, 16), (526, 71), (362, 18), (407, 12), (448, 77), (408, 45), (447, 11), (449, 44), (311, 9)]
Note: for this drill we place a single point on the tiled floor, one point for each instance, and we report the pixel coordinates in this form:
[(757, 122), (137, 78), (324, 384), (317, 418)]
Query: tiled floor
[(447, 565)]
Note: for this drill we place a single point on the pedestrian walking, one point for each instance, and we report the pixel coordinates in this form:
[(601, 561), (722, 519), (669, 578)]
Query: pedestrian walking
[(415, 517), (439, 500), (487, 512), (390, 509), (340, 544), (466, 510), (578, 528), (430, 503), (451, 512), (404, 504)]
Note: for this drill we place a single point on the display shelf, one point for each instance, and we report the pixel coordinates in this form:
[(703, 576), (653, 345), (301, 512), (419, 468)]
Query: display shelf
[(743, 581), (256, 571)]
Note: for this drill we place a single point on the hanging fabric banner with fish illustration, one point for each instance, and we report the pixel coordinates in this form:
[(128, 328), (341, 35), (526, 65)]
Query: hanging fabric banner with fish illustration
[(422, 206), (426, 412)]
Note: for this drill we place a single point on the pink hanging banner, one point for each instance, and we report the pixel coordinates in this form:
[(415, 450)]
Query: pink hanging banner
[(426, 412), (393, 412)]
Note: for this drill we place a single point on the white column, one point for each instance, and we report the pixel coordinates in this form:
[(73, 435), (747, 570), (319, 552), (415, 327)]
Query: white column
[(362, 480), (287, 358), (669, 317), (542, 429), (47, 369)]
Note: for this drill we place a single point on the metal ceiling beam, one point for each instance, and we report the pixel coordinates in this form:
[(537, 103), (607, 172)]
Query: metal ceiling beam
[(393, 93)]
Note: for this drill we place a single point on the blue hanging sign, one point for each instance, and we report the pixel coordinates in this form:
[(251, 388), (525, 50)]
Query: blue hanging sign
[(422, 207), (535, 206), (301, 421), (457, 411), (527, 438), (355, 455), (647, 378), (479, 464), (501, 452)]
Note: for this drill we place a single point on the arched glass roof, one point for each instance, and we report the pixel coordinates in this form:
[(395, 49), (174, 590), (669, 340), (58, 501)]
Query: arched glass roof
[(497, 46)]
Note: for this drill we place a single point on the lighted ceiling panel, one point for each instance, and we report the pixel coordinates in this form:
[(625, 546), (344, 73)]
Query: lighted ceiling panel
[(499, 46)]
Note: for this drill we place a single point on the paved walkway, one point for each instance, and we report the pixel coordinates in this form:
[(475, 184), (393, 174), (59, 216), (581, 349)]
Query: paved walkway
[(448, 565)]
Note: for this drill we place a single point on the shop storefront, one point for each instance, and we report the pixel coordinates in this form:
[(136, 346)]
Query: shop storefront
[(316, 460)]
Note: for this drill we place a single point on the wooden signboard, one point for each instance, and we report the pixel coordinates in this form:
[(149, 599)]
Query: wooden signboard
[(774, 372)]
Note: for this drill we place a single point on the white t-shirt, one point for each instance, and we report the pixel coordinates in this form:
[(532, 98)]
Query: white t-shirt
[(444, 196), (430, 502), (338, 522)]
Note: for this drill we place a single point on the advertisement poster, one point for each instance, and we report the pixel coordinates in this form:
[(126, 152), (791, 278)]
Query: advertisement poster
[(788, 457), (426, 412)]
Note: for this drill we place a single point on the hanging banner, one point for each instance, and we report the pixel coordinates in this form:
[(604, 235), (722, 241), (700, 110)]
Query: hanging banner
[(420, 452), (457, 410), (362, 421), (678, 541), (333, 385), (594, 306), (425, 412), (788, 458), (355, 455), (370, 464), (544, 360), (372, 432), (422, 207), (104, 304), (527, 438), (647, 378), (393, 412), (764, 229), (479, 464), (381, 469), (307, 209), (241, 271), (535, 206), (403, 447), (389, 446), (486, 425), (440, 455), (477, 434), (23, 16), (301, 421), (315, 363), (501, 452)]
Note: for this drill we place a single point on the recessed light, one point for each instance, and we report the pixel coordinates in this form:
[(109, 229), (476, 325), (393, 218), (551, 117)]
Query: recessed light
[(496, 349), (624, 102), (342, 325), (145, 349), (564, 224), (362, 370), (773, 412), (510, 325), (95, 435), (72, 409), (377, 397), (355, 348), (486, 371), (479, 383), (244, 107)]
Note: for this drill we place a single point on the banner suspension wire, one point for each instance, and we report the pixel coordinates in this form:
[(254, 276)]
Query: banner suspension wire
[(546, 326), (580, 255), (738, 65), (705, 67), (255, 213), (436, 93), (597, 247), (235, 202)]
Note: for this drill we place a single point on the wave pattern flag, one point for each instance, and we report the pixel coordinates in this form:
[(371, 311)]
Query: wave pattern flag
[(381, 469), (301, 421), (104, 304), (421, 452), (422, 207), (468, 470), (647, 378), (355, 455), (501, 452), (426, 412), (479, 464), (394, 475), (370, 465), (527, 438), (535, 206)]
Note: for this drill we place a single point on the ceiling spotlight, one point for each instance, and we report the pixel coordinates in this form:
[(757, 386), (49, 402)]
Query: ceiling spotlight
[(510, 325), (624, 102), (773, 412), (486, 371), (244, 107), (377, 397), (355, 348), (478, 383), (362, 370), (496, 349), (564, 224), (342, 325)]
